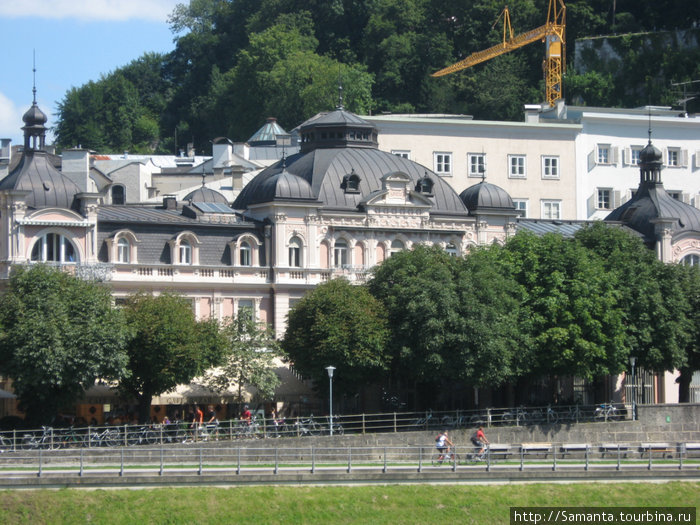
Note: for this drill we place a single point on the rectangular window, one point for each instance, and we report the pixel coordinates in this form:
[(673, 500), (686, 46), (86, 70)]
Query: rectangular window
[(604, 199), (550, 167), (673, 157), (443, 163), (603, 154), (245, 309), (516, 166), (521, 206), (551, 210), (406, 154), (634, 155), (477, 164)]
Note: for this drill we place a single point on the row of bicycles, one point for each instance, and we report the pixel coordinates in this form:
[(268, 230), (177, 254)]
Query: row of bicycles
[(49, 438), (520, 416)]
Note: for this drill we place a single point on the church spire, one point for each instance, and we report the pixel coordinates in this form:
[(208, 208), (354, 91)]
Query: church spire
[(34, 120)]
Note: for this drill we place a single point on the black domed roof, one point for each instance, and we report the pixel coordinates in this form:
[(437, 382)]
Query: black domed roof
[(650, 153), (484, 196), (34, 116), (47, 187), (205, 194)]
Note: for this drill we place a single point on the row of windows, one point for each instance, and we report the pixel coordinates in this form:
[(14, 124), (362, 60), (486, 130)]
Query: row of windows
[(476, 165), (607, 154)]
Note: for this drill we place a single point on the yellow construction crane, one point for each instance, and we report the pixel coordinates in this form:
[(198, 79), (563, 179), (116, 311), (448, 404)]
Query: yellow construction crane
[(552, 33)]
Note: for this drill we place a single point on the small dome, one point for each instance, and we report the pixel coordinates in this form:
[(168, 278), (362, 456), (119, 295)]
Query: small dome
[(650, 153), (284, 186), (267, 135), (34, 116), (205, 194), (484, 195)]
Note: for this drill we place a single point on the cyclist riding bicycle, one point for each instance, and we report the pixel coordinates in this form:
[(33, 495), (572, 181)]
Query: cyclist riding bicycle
[(479, 440), (443, 445)]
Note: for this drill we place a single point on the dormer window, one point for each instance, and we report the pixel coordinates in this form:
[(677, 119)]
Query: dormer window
[(425, 185), (351, 182)]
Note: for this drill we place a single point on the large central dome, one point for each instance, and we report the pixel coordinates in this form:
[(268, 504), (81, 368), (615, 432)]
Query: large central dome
[(339, 167)]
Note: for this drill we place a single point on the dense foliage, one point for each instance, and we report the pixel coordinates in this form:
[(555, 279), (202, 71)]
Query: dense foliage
[(167, 346), (538, 307), (59, 335), (237, 62)]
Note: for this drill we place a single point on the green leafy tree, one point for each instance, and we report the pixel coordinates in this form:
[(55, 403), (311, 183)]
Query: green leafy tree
[(652, 302), (419, 290), (248, 360), (689, 278), (575, 318), (168, 347), (342, 325), (59, 334)]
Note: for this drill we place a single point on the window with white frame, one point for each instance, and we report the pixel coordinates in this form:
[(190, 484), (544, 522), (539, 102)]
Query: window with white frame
[(477, 164), (551, 209), (521, 206), (550, 167), (246, 309), (185, 251), (53, 247), (340, 253), (295, 252), (245, 254), (443, 163), (403, 153), (516, 166), (691, 260), (673, 157), (123, 250), (396, 246), (604, 199), (634, 155)]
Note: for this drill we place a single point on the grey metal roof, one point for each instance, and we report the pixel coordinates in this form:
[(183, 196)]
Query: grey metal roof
[(47, 186), (541, 227), (267, 134), (485, 195), (204, 194), (324, 170), (142, 214), (339, 117), (653, 202)]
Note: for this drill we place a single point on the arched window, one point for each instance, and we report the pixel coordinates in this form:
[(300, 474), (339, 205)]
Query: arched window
[(340, 253), (185, 252), (245, 254), (123, 250), (53, 247), (295, 252), (691, 260), (396, 246), (118, 195)]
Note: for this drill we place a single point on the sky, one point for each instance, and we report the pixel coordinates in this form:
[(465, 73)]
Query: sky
[(73, 42)]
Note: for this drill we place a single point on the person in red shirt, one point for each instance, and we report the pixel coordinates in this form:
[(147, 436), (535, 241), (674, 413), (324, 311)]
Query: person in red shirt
[(479, 440), (246, 415)]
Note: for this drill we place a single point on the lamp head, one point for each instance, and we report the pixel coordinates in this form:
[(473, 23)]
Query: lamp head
[(330, 370)]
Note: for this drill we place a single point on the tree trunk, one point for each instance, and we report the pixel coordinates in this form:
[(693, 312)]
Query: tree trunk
[(144, 407), (684, 385)]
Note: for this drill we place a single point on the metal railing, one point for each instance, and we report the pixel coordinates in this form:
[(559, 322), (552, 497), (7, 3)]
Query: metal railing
[(162, 460), (49, 438)]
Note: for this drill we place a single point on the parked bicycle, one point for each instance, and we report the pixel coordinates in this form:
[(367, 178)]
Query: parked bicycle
[(337, 427), (45, 440), (308, 427), (606, 412), (108, 437)]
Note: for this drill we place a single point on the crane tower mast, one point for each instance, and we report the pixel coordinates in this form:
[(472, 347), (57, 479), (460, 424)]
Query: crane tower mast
[(552, 32)]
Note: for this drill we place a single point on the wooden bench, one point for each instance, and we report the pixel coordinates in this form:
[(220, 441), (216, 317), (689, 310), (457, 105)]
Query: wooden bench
[(536, 448), (663, 448), (571, 448), (690, 448), (500, 450), (612, 448)]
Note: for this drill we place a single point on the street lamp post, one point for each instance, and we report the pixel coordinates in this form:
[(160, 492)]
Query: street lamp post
[(330, 370), (633, 361)]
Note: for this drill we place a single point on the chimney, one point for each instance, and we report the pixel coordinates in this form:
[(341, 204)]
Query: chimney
[(75, 164), (169, 202), (5, 156), (222, 153)]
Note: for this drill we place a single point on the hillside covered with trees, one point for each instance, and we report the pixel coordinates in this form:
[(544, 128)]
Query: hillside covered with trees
[(237, 62)]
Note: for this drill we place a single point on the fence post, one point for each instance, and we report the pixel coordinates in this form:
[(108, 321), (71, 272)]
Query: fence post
[(586, 454), (420, 459), (521, 457), (121, 468), (81, 463), (488, 458), (618, 456), (681, 449), (14, 440), (238, 464), (200, 461), (41, 452), (363, 423), (384, 470), (313, 459), (161, 456), (395, 423), (126, 432), (488, 417), (649, 452), (349, 459), (554, 457), (276, 460)]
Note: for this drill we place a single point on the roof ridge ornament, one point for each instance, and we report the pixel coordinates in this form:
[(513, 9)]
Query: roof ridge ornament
[(340, 91)]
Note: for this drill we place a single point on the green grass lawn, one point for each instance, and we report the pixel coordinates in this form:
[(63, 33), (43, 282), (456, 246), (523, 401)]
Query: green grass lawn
[(375, 504)]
